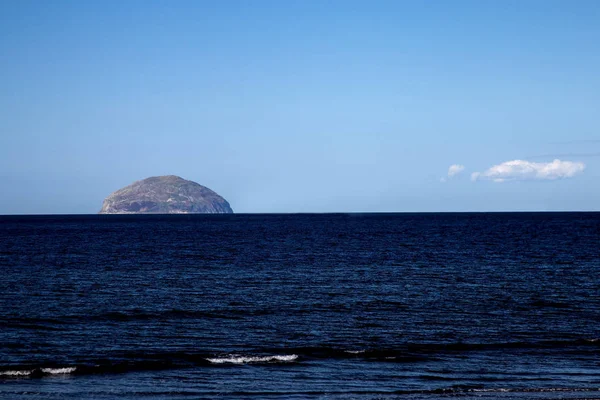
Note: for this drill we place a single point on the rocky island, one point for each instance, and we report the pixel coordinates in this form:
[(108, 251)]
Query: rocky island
[(165, 195)]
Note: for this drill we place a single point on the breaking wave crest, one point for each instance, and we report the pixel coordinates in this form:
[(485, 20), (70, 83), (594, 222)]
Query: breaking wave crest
[(15, 373), (59, 371), (38, 372), (251, 360)]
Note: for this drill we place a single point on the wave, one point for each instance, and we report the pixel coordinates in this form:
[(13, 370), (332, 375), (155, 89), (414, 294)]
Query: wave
[(59, 371), (141, 362), (16, 373), (413, 352), (123, 362), (36, 372), (252, 360)]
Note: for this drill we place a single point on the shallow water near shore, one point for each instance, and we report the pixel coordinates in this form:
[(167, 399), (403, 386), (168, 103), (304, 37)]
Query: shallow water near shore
[(364, 306)]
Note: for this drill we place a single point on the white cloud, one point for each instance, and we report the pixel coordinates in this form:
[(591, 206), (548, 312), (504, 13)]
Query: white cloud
[(455, 169), (519, 170)]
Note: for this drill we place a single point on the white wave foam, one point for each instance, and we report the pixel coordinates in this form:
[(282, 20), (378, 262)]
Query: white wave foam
[(247, 360), (15, 373), (57, 371), (354, 351), (51, 371)]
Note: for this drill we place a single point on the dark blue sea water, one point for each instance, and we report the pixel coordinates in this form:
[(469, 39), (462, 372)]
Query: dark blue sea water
[(374, 306)]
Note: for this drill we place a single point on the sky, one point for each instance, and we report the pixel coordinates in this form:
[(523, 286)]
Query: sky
[(303, 106)]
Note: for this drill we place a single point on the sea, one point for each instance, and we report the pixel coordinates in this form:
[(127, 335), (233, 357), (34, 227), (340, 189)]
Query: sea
[(300, 306)]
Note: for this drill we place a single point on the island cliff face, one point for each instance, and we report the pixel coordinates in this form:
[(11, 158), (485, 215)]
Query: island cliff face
[(165, 195)]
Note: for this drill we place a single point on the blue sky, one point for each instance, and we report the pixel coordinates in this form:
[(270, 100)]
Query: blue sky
[(300, 106)]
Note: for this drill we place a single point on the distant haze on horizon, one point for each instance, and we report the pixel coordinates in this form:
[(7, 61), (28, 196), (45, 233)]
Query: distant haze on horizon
[(341, 106)]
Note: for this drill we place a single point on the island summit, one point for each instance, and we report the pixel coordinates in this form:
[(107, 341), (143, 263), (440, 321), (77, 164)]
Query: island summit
[(168, 194)]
